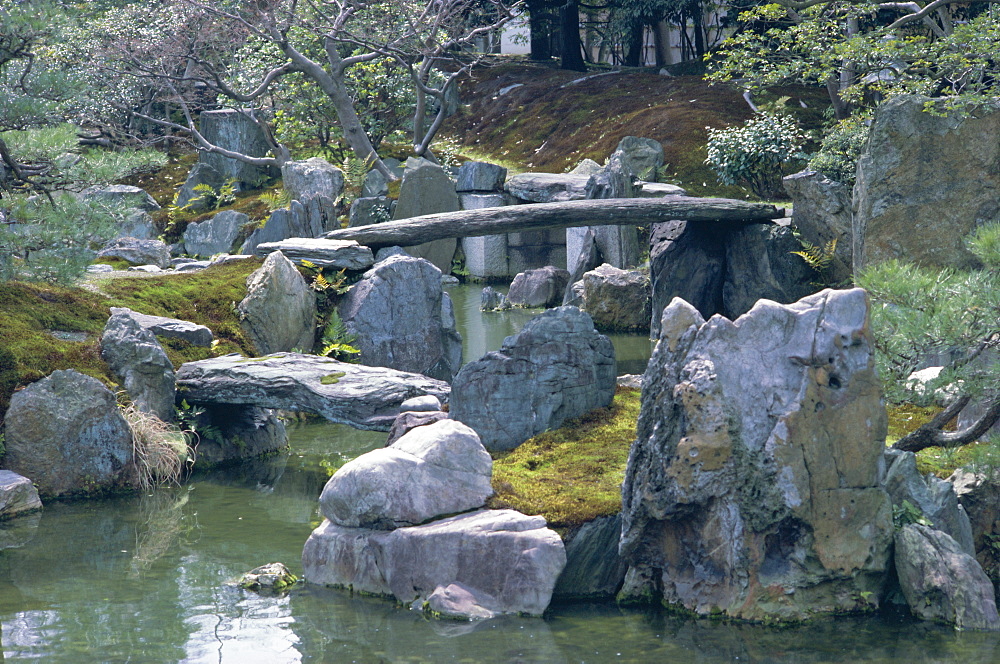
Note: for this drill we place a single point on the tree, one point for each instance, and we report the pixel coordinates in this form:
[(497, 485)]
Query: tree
[(319, 42)]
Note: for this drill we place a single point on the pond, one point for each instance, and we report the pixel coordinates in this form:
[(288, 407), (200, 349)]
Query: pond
[(149, 579)]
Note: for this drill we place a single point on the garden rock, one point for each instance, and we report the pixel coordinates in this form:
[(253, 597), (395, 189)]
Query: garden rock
[(486, 257), (279, 310), (759, 446), (236, 131), (238, 432), (934, 497), (408, 420), (480, 176), (308, 219), (139, 225), (425, 403), (313, 177), (363, 397), (375, 185), (543, 287), (586, 167), (924, 183), (979, 495), (17, 495), (66, 435), (583, 255), (194, 334), (200, 174), (640, 156), (556, 368), (617, 300), (121, 196), (138, 360), (372, 210), (594, 570), (447, 471), (941, 582), (547, 187), (214, 236), (492, 300), (505, 561), (821, 212), (335, 254), (427, 189), (402, 319), (618, 245), (760, 265), (658, 190), (137, 252)]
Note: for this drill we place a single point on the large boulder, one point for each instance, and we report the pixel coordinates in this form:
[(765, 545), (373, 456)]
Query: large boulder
[(475, 565), (427, 189), (760, 265), (402, 319), (17, 495), (759, 446), (313, 177), (821, 213), (194, 334), (547, 187), (925, 181), (215, 235), (324, 254), (447, 471), (942, 582), (66, 435), (120, 196), (594, 570), (235, 130), (138, 360), (543, 287), (279, 310), (480, 176), (641, 156), (617, 300), (139, 252), (236, 433), (301, 219), (556, 368)]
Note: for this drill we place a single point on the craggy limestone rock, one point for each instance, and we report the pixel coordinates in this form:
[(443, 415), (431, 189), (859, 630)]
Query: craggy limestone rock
[(402, 319), (138, 360), (543, 287), (476, 565), (924, 183), (301, 219), (201, 173), (279, 310), (759, 446), (237, 131), (556, 368), (66, 435), (547, 187), (941, 582), (617, 299), (17, 495), (447, 471)]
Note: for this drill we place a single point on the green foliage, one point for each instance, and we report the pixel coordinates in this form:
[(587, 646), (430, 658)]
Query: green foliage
[(209, 196), (276, 199), (908, 513), (755, 153), (837, 157), (816, 257), (337, 342), (985, 244)]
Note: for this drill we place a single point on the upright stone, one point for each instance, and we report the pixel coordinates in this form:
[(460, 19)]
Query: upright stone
[(138, 360), (215, 235), (618, 245), (617, 300), (480, 176), (543, 287), (427, 189), (821, 212), (485, 256), (760, 263), (236, 131), (313, 177), (759, 447), (200, 174), (279, 310), (640, 156)]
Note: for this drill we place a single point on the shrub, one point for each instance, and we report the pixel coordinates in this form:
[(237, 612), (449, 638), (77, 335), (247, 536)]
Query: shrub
[(754, 153), (838, 154)]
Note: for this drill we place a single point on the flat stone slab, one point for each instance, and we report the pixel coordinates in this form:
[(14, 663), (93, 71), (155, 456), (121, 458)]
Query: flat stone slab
[(362, 397), (547, 187), (195, 334), (338, 254)]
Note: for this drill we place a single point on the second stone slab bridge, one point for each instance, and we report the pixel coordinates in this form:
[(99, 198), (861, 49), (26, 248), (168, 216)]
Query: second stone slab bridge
[(539, 216)]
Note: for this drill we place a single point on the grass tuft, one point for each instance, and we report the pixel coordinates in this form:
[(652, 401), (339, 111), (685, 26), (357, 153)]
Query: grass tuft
[(159, 450)]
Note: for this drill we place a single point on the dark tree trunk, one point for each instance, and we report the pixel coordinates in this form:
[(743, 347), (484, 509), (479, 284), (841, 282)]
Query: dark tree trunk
[(931, 434), (633, 54), (540, 29), (572, 48)]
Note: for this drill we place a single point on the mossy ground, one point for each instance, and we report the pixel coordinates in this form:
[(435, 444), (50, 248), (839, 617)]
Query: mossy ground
[(573, 474), (940, 461)]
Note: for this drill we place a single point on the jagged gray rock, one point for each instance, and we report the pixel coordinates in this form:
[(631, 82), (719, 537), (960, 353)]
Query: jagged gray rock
[(401, 318), (122, 196), (17, 495), (427, 189), (336, 254), (66, 435), (941, 582), (138, 252), (239, 432), (313, 177), (821, 213), (409, 420), (556, 368), (200, 173), (759, 445), (493, 300), (640, 156), (617, 300), (279, 310), (594, 570), (138, 360), (543, 287), (480, 176), (310, 218), (194, 334), (760, 264), (658, 190), (687, 261), (214, 236), (496, 561), (363, 397), (447, 471), (237, 131), (547, 187), (370, 210)]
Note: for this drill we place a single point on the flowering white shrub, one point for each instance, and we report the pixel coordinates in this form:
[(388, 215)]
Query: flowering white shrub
[(753, 154)]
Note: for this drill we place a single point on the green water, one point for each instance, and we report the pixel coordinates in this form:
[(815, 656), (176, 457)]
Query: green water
[(149, 579)]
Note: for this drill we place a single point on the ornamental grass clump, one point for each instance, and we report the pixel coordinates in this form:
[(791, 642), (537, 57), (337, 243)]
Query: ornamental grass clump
[(754, 154), (160, 450)]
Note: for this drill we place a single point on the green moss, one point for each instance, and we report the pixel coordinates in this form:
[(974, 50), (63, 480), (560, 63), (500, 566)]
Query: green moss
[(332, 379), (116, 263), (573, 474)]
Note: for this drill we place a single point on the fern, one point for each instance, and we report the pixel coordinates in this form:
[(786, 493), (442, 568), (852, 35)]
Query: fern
[(816, 257), (338, 341), (276, 199)]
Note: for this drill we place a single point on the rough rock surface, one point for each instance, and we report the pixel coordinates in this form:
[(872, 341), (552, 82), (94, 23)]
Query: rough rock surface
[(201, 173), (427, 189), (480, 176), (617, 300), (65, 434), (658, 190), (279, 310), (138, 224), (594, 570), (122, 196), (618, 245), (934, 497), (547, 187), (402, 319), (370, 210), (760, 264), (409, 420), (236, 131), (821, 212), (447, 471), (194, 334), (336, 254), (556, 368), (924, 183), (363, 397), (495, 561), (543, 287), (214, 236), (759, 446), (941, 582), (309, 218), (640, 156), (979, 495), (138, 360), (313, 177), (17, 495), (242, 432), (139, 252), (493, 300)]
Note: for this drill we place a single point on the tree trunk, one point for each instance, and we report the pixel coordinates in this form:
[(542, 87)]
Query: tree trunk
[(540, 30), (661, 34), (633, 55), (538, 216), (931, 435), (572, 48)]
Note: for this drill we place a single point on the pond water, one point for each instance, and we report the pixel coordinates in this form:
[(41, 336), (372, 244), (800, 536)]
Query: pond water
[(149, 579)]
